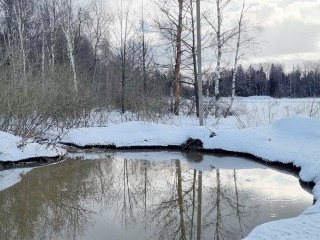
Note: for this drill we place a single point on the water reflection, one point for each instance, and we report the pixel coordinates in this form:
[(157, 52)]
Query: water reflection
[(122, 197)]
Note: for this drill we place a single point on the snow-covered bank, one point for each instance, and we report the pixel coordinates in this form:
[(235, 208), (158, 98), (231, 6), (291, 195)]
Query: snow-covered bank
[(12, 148), (291, 140), (134, 133)]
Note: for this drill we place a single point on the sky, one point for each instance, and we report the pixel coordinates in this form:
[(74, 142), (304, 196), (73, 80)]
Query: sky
[(291, 29)]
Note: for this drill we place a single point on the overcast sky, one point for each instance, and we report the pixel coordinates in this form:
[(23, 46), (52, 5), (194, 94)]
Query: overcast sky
[(291, 29)]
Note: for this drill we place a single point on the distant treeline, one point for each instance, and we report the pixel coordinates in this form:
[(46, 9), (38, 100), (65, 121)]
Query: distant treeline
[(270, 81)]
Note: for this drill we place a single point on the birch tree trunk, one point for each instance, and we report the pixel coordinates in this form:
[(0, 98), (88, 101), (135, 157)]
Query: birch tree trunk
[(236, 59), (217, 76), (70, 48), (18, 14), (66, 26)]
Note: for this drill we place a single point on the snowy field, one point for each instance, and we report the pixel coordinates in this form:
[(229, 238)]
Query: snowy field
[(286, 130), (256, 111)]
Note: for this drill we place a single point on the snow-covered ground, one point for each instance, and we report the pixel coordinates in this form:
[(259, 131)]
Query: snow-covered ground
[(13, 148), (256, 111), (262, 126)]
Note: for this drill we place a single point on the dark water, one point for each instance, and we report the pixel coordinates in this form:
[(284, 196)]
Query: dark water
[(148, 196)]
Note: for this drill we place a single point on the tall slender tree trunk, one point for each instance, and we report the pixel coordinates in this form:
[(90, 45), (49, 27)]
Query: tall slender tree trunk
[(123, 83), (236, 59), (66, 25), (217, 76), (71, 58), (176, 86), (52, 23), (43, 49), (43, 57), (124, 41), (144, 71), (18, 14), (194, 58)]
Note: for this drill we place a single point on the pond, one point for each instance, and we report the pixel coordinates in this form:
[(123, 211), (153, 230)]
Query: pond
[(148, 195)]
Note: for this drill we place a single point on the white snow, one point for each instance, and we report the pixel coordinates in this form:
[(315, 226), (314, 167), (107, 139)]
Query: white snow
[(294, 139), (134, 134), (13, 148)]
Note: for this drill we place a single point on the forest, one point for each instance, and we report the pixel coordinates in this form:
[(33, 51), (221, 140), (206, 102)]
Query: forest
[(62, 61)]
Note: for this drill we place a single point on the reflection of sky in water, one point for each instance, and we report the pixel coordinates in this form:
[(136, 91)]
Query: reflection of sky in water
[(118, 198)]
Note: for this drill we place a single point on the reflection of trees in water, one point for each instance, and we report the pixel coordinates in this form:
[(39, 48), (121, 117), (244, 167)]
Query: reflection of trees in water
[(46, 203), (219, 216), (162, 200), (175, 216), (226, 215)]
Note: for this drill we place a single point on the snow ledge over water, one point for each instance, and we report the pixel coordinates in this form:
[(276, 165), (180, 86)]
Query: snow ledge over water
[(13, 148)]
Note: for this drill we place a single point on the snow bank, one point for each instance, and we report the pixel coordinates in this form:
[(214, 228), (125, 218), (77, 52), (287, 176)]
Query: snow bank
[(291, 140), (134, 134), (12, 149)]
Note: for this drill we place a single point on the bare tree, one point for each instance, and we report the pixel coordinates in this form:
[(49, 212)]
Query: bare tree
[(237, 55), (97, 28), (125, 49), (222, 37), (171, 27)]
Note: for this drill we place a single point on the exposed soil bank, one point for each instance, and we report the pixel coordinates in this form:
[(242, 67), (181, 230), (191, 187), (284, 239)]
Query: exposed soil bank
[(29, 162)]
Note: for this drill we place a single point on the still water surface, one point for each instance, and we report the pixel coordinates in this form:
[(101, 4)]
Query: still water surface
[(147, 195)]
